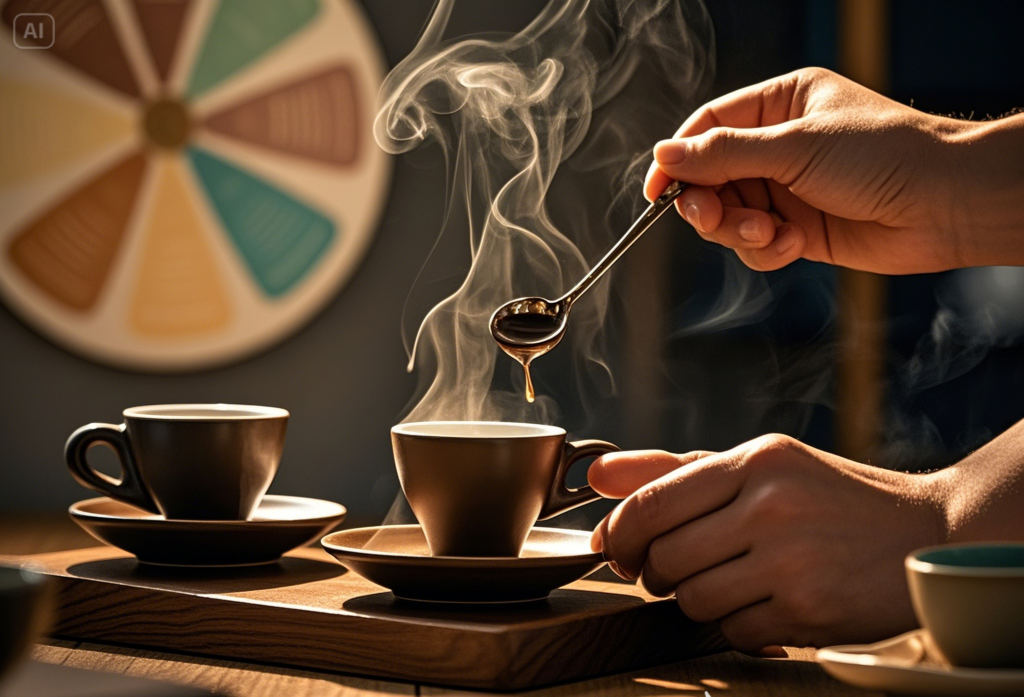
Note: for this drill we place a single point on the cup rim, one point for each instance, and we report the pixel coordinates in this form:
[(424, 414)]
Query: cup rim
[(536, 430), (178, 412), (915, 564)]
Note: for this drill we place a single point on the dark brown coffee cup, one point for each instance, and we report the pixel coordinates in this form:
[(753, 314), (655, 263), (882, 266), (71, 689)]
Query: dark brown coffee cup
[(186, 461), (477, 487)]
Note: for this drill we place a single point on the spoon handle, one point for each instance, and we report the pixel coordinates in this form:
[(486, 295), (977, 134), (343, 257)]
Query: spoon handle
[(646, 219)]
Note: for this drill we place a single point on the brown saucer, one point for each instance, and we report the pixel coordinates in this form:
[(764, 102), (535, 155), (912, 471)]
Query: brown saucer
[(280, 524), (397, 557)]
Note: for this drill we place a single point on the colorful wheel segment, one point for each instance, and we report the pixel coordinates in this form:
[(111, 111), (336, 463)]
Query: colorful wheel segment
[(185, 183)]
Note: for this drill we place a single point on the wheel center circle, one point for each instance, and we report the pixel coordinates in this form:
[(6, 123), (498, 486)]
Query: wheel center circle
[(166, 123)]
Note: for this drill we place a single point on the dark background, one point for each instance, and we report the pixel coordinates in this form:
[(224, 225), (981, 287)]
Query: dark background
[(343, 376)]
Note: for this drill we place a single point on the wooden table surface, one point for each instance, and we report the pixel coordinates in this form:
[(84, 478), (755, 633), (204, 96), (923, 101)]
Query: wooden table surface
[(730, 673)]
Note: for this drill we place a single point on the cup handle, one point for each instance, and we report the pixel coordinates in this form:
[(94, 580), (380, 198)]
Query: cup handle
[(129, 489), (561, 498)]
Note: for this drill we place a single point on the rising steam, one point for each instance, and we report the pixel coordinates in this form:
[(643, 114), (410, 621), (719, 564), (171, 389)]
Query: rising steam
[(597, 82)]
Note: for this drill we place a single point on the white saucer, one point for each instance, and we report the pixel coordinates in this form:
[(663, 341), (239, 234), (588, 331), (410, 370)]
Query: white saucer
[(904, 666), (280, 524), (397, 557)]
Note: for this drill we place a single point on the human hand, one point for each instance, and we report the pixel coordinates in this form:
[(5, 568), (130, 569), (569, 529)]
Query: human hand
[(780, 543), (811, 165)]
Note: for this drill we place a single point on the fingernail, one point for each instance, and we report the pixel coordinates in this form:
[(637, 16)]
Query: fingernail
[(785, 241), (669, 152), (692, 215), (597, 542), (749, 230), (617, 569)]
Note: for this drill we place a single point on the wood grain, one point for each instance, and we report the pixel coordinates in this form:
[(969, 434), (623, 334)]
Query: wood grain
[(728, 674), (725, 674), (218, 676), (307, 612)]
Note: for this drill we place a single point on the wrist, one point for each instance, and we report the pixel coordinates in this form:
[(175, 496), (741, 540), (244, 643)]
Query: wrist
[(986, 168), (938, 491)]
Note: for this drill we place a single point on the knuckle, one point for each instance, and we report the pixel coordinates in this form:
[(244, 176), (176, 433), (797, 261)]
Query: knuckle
[(776, 442), (772, 503), (812, 75), (649, 507), (771, 451), (657, 572), (735, 631), (773, 494), (718, 142), (694, 603)]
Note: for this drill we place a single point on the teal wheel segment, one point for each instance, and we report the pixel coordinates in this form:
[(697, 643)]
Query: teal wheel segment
[(241, 32), (280, 238)]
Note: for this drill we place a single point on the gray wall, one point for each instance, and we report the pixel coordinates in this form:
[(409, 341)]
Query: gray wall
[(342, 377)]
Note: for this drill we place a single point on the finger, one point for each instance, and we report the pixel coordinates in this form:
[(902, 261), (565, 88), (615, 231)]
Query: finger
[(794, 210), (730, 196), (767, 103), (682, 495), (788, 245), (617, 475), (770, 652), (728, 154), (656, 182), (739, 228), (754, 194), (701, 207), (755, 627), (724, 590), (696, 547), (597, 539)]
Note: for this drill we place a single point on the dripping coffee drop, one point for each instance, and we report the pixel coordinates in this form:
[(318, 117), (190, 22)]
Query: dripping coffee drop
[(525, 330)]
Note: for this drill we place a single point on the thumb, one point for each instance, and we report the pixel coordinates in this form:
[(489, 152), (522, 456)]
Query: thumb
[(722, 155), (618, 475)]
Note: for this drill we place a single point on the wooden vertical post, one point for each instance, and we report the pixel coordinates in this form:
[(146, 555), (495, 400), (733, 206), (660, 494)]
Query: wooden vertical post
[(860, 385)]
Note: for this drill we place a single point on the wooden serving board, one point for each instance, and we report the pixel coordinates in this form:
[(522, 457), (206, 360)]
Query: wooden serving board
[(307, 611)]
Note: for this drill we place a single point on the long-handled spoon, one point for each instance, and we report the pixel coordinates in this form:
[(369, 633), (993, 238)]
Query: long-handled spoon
[(529, 327)]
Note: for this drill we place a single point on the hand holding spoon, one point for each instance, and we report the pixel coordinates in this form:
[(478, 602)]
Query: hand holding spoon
[(529, 327)]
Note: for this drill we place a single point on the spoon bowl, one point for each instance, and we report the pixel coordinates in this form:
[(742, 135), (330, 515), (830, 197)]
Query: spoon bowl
[(529, 322), (529, 327)]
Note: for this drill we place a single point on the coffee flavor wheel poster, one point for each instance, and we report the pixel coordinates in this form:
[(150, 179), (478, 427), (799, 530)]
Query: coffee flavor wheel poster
[(184, 183)]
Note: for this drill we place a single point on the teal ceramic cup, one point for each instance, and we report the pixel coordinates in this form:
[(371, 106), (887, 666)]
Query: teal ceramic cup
[(970, 600)]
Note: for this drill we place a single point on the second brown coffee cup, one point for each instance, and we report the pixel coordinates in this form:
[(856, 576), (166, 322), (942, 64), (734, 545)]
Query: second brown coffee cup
[(477, 487), (186, 461)]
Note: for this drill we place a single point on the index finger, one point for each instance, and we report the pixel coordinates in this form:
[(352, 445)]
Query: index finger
[(683, 495), (767, 103)]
